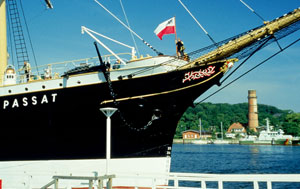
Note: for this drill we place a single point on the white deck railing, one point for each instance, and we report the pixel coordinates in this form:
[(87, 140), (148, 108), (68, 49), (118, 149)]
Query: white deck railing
[(184, 180), (202, 180), (55, 70), (100, 180)]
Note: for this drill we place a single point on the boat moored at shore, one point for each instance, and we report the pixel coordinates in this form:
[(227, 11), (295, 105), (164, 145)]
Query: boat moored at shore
[(268, 137)]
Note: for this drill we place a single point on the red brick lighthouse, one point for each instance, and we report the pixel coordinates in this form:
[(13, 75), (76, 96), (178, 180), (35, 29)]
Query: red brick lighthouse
[(252, 110)]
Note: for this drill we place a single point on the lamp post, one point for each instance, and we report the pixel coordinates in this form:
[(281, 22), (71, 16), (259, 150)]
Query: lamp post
[(108, 112)]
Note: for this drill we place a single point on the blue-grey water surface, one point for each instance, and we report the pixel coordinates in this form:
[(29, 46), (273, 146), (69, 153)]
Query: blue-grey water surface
[(237, 159)]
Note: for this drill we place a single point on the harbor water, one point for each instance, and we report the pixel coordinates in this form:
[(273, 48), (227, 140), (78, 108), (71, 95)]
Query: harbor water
[(237, 159)]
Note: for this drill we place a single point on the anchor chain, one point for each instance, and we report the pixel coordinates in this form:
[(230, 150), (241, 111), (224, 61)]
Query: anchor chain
[(114, 95), (104, 67)]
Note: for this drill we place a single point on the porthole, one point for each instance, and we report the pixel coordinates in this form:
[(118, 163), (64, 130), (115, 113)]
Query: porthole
[(26, 89), (78, 82), (60, 84), (9, 91), (43, 86)]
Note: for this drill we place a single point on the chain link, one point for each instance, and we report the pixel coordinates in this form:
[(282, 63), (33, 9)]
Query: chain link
[(114, 95)]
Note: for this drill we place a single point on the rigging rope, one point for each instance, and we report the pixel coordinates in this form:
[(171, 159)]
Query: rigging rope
[(243, 53), (252, 10), (33, 53), (137, 50), (245, 60), (146, 43), (197, 22), (245, 73)]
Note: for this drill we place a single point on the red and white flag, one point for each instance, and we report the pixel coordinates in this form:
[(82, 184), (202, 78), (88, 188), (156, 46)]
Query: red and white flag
[(167, 27)]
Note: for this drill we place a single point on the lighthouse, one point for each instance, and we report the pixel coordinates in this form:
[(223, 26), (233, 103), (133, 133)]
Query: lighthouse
[(252, 110)]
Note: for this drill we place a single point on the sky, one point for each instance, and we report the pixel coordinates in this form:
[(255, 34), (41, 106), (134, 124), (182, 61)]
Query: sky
[(56, 36)]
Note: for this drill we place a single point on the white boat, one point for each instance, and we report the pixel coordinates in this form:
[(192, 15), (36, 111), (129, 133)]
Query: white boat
[(268, 137)]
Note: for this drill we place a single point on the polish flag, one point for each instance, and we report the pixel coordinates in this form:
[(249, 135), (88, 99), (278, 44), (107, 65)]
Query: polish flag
[(167, 27)]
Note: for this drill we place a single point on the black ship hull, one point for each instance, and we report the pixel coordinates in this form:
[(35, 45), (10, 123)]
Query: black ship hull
[(66, 123)]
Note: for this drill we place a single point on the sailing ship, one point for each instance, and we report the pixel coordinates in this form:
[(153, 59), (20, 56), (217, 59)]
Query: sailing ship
[(67, 134)]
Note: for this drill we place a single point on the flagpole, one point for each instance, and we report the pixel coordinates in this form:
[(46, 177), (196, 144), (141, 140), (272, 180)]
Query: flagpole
[(175, 35), (175, 28)]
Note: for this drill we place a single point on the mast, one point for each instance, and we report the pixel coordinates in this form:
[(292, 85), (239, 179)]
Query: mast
[(268, 125), (200, 128), (3, 40)]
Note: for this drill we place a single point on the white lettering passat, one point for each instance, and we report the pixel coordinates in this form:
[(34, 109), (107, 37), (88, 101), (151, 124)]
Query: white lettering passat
[(25, 101)]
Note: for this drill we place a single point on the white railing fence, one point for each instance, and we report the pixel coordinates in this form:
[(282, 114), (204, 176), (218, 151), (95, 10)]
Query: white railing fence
[(100, 180), (195, 180), (56, 70), (186, 181)]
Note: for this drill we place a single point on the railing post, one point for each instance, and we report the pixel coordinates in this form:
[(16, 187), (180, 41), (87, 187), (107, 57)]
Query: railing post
[(269, 185), (255, 185), (203, 184), (55, 183), (90, 184), (176, 182), (100, 184), (109, 183), (220, 184)]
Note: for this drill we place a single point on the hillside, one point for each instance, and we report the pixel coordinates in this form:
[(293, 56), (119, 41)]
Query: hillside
[(214, 114)]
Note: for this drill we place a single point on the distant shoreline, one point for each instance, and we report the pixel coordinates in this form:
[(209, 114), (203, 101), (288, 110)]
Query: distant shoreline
[(209, 141), (219, 141)]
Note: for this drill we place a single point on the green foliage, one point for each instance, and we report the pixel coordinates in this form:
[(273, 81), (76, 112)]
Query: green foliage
[(252, 132), (292, 124), (275, 115), (213, 114)]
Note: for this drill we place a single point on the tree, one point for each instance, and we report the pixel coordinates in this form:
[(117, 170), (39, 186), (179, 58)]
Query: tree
[(292, 124), (252, 132), (212, 114)]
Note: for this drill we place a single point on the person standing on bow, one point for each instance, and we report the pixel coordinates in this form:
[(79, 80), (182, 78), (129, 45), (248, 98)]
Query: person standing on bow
[(179, 48)]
